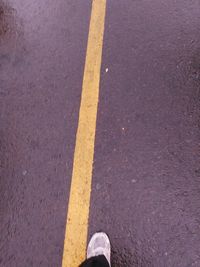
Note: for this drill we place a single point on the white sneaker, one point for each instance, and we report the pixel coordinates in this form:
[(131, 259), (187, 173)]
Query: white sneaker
[(99, 245)]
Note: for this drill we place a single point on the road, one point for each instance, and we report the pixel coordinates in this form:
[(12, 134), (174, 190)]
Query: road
[(145, 187)]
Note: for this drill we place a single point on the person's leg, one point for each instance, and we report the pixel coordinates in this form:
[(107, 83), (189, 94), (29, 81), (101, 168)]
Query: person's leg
[(98, 261), (98, 251)]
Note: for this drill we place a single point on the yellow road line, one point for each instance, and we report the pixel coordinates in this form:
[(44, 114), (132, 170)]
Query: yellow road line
[(79, 200)]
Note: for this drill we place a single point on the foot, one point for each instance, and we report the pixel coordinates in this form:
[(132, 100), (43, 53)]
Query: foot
[(99, 245)]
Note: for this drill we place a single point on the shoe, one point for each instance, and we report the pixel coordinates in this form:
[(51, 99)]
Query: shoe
[(99, 245)]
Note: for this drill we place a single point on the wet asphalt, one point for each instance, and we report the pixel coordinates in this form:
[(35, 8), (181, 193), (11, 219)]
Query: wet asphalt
[(146, 178)]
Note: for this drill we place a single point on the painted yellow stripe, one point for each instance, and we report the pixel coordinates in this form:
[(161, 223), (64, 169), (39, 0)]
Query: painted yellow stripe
[(79, 201)]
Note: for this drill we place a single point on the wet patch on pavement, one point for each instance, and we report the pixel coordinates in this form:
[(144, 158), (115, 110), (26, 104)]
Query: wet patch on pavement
[(195, 65), (7, 20), (127, 257), (13, 46)]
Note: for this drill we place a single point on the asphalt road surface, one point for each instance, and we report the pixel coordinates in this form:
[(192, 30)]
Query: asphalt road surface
[(146, 174)]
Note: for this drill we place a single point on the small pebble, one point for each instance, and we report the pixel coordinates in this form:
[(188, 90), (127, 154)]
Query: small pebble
[(24, 172), (98, 186)]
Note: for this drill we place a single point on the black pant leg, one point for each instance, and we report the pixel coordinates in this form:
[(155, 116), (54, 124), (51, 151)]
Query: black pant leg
[(99, 261)]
